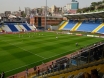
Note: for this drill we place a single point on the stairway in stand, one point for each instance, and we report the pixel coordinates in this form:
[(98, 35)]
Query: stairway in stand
[(98, 28), (76, 26), (63, 25)]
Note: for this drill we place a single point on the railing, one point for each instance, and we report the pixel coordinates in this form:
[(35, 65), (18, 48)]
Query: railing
[(69, 67), (56, 71)]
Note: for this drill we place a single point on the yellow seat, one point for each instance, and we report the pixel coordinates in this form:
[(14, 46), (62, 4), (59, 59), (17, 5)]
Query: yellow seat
[(99, 67)]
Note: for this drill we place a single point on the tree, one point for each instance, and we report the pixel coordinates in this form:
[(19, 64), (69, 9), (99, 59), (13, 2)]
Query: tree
[(92, 8), (23, 15), (101, 7), (89, 9), (99, 3), (93, 4), (79, 11)]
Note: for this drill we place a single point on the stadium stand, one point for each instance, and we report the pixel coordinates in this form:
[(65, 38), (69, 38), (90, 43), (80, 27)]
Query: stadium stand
[(88, 26), (25, 25), (12, 27), (6, 28), (98, 28), (92, 22), (76, 72), (18, 27), (88, 59), (63, 25), (22, 27), (32, 27), (0, 30), (76, 26), (101, 30), (80, 72), (70, 25)]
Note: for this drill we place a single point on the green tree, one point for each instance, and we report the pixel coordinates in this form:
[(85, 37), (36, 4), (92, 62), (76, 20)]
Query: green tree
[(101, 7), (93, 4), (99, 3), (23, 15), (79, 10), (92, 8)]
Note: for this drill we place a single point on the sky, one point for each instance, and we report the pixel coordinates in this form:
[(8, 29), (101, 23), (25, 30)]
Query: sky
[(13, 5)]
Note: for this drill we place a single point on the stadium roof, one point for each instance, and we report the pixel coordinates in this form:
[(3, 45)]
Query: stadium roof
[(85, 15)]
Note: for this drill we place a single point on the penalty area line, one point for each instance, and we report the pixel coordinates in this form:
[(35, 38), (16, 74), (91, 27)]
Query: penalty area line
[(36, 62), (26, 50), (29, 52)]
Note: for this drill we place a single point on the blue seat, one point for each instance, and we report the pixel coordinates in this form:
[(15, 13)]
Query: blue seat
[(88, 26), (26, 26), (99, 21), (101, 30), (12, 27), (70, 25)]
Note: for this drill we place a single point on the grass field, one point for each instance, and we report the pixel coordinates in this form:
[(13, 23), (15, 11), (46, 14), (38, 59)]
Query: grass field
[(21, 51)]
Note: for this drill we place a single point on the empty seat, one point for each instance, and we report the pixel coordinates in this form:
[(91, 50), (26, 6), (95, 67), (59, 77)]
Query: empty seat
[(101, 30), (70, 25), (88, 26)]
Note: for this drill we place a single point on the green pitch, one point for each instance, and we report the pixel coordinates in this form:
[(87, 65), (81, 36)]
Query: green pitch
[(21, 51)]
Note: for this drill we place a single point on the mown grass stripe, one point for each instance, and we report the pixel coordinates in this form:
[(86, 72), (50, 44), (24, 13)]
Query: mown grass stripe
[(46, 46)]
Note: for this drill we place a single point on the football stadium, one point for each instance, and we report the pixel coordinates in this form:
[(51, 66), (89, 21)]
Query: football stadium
[(72, 49)]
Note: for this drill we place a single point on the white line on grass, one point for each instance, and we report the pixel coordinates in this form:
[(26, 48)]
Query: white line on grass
[(36, 62), (22, 66), (32, 37), (26, 50)]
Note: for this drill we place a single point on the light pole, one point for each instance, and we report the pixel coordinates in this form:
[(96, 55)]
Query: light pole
[(46, 15)]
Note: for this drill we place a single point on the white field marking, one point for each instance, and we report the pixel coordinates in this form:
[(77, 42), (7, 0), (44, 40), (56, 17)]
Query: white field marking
[(36, 62), (29, 51), (22, 48), (32, 40), (26, 50), (22, 66)]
